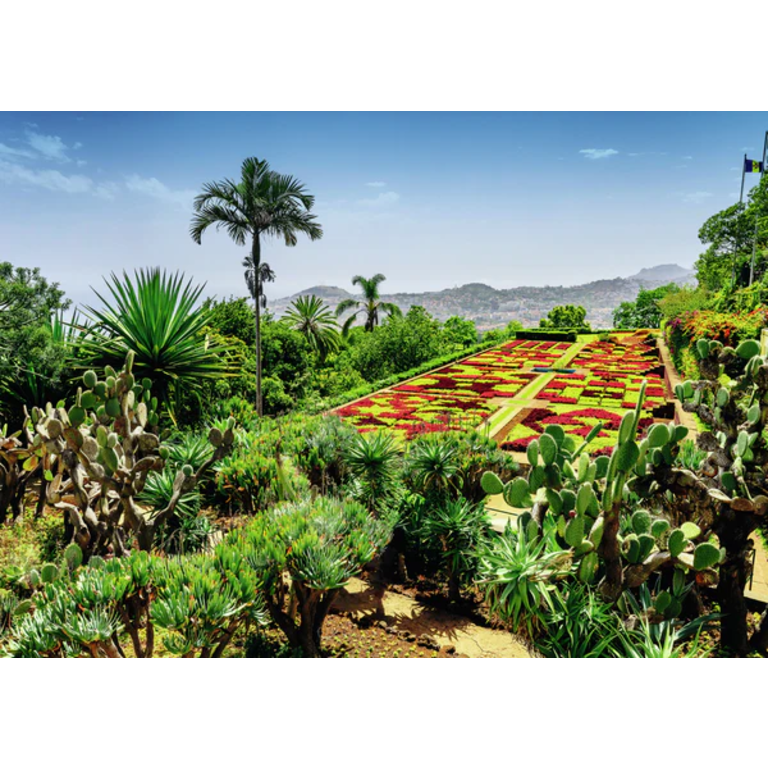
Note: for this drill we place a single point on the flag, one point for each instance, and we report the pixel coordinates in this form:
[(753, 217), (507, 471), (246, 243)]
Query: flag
[(753, 166)]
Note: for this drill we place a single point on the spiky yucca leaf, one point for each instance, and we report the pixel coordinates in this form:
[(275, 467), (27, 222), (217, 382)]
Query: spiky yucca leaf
[(155, 315)]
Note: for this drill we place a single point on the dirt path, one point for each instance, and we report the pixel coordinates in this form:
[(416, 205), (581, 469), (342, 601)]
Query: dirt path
[(405, 613)]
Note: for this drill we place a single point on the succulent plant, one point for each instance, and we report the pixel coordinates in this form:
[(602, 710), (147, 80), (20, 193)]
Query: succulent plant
[(102, 448)]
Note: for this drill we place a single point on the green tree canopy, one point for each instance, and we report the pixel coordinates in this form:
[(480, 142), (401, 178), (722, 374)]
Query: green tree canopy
[(730, 236), (28, 346), (644, 312), (459, 332), (401, 343), (568, 316)]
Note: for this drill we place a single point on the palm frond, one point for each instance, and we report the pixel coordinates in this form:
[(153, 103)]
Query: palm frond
[(316, 322), (391, 309), (346, 305)]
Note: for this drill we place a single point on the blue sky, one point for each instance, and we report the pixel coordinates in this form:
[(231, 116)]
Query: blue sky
[(432, 200)]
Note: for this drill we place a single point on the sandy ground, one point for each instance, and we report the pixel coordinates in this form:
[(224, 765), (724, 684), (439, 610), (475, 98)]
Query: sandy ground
[(407, 614)]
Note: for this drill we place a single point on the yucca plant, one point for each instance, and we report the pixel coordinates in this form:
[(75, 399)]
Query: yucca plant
[(155, 315), (434, 468), (373, 460), (457, 529)]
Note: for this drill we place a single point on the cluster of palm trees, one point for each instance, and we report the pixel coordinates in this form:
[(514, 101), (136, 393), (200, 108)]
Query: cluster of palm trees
[(158, 315), (264, 204)]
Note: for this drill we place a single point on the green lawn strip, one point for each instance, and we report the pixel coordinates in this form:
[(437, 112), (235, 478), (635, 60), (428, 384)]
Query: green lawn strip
[(498, 419), (563, 361), (522, 399)]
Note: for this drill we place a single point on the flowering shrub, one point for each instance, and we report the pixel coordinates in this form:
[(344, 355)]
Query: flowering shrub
[(730, 328)]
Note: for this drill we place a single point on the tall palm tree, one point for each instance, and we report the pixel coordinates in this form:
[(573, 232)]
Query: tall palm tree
[(316, 322), (262, 204), (370, 305)]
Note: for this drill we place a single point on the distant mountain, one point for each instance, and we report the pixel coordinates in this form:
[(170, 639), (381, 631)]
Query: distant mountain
[(493, 308), (664, 273), (328, 293)]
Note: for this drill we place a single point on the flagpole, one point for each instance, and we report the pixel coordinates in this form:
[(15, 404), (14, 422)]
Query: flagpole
[(736, 239), (757, 209)]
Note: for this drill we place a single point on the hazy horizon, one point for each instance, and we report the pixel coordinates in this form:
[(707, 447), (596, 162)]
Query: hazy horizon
[(432, 200)]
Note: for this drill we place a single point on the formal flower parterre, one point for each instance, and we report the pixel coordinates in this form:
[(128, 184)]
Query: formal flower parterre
[(605, 388), (469, 381), (575, 421), (414, 413), (617, 357), (521, 353)]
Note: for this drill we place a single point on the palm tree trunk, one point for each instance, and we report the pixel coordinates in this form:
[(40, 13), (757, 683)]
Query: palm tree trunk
[(256, 255)]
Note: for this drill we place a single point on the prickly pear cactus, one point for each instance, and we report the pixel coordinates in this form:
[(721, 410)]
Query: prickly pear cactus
[(730, 491), (589, 501), (101, 450)]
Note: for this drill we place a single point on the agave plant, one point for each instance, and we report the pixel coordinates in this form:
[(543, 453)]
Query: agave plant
[(581, 625), (518, 573), (156, 315)]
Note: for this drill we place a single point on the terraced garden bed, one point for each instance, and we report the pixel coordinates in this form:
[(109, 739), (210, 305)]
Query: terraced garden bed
[(601, 381), (619, 356), (410, 413), (520, 353), (469, 381), (602, 388), (578, 422)]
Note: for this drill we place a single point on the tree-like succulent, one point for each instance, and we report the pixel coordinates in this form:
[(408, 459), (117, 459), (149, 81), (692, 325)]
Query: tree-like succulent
[(305, 553), (101, 451)]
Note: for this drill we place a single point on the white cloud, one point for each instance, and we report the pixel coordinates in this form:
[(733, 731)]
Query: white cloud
[(597, 154), (155, 188), (77, 145), (687, 157), (51, 147), (382, 200), (747, 149), (81, 163), (375, 183), (48, 179), (696, 197), (106, 190), (6, 150)]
